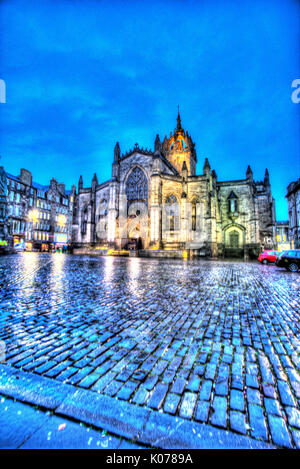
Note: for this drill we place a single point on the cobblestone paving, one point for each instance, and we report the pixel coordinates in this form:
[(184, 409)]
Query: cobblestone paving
[(211, 341)]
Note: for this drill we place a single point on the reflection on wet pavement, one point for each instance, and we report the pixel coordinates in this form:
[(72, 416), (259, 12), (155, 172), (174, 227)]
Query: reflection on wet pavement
[(213, 341)]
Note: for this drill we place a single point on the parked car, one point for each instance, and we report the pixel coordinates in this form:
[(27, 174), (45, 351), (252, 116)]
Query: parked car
[(289, 259), (268, 257), (3, 247), (20, 247)]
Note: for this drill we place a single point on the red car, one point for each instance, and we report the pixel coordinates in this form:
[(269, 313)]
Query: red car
[(268, 257)]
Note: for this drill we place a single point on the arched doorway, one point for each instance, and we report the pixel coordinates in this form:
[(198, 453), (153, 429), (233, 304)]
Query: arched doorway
[(234, 241)]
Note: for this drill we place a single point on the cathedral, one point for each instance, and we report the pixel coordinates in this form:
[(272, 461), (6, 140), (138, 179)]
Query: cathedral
[(155, 202)]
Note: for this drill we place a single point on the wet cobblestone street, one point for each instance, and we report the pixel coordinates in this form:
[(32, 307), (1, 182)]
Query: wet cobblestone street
[(211, 341)]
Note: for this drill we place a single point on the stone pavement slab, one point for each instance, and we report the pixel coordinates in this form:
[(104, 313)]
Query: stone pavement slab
[(165, 431), (18, 422), (116, 416), (29, 387), (61, 433), (26, 427)]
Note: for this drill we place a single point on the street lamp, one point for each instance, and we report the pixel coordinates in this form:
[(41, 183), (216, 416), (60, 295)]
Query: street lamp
[(32, 217)]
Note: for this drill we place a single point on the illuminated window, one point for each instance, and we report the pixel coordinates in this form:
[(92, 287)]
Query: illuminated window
[(137, 186), (178, 144)]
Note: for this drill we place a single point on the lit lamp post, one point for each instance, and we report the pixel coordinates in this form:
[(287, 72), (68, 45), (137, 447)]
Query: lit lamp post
[(32, 217)]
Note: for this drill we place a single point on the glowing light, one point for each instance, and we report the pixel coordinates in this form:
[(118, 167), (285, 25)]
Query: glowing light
[(33, 215), (184, 254), (61, 220), (134, 272), (57, 285), (108, 269), (115, 252)]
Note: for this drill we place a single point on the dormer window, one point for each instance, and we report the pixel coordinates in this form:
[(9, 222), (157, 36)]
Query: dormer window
[(232, 203)]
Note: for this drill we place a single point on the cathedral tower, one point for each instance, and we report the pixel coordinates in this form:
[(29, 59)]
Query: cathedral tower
[(180, 148)]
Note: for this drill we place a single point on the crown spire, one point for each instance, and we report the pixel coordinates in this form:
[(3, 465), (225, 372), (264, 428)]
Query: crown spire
[(178, 121)]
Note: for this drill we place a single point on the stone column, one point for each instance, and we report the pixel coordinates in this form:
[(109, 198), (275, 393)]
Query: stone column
[(123, 232), (112, 213), (184, 220), (155, 205)]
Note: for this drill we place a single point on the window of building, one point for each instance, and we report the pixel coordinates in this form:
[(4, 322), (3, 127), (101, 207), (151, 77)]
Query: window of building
[(194, 216), (232, 203), (84, 221), (172, 213), (137, 186)]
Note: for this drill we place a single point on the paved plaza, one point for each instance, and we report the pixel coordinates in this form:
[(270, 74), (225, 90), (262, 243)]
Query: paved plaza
[(210, 343)]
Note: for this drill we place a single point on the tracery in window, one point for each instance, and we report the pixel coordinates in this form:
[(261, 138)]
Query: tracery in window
[(172, 211), (137, 186), (84, 221)]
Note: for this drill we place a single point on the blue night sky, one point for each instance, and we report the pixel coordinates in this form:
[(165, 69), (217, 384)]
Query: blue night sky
[(82, 75)]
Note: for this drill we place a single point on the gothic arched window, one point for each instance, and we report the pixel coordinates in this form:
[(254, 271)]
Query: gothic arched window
[(232, 203), (137, 186), (102, 209), (172, 212), (194, 216), (84, 221)]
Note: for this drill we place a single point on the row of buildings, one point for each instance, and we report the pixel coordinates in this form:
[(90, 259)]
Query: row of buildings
[(38, 216), (154, 199)]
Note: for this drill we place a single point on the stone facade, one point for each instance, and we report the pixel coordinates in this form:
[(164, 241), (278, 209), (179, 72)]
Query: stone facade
[(282, 235), (155, 200), (40, 216), (293, 199), (3, 206)]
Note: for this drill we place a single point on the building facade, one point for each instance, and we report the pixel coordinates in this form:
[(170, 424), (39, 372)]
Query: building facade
[(282, 235), (156, 200), (293, 200), (39, 216), (4, 232)]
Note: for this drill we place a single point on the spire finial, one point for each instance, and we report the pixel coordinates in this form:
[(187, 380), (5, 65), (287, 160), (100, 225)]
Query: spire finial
[(117, 153), (178, 120)]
